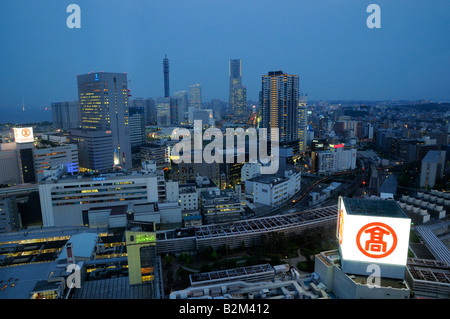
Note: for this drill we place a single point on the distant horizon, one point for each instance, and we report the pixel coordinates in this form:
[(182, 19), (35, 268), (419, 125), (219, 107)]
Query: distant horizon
[(328, 44), (38, 114)]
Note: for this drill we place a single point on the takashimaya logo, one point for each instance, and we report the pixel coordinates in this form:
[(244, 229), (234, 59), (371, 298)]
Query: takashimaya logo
[(26, 132), (215, 151), (376, 240)]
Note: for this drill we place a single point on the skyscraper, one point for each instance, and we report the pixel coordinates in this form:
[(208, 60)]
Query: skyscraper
[(180, 100), (149, 106), (238, 92), (103, 99), (163, 111), (95, 150), (302, 124), (26, 162), (166, 76), (195, 96), (279, 104), (65, 115), (137, 126)]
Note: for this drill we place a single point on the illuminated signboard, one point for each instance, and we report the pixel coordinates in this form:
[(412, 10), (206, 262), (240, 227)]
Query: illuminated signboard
[(23, 134), (340, 225), (145, 238), (373, 236)]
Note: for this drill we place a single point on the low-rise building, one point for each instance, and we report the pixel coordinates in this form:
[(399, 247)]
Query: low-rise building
[(66, 200), (188, 196), (323, 194), (158, 152), (192, 218), (336, 159), (428, 278), (48, 156), (273, 190), (219, 206), (432, 168), (336, 282), (250, 170), (252, 282), (9, 215)]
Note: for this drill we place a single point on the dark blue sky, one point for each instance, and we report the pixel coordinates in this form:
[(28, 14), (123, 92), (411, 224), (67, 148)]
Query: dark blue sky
[(326, 42)]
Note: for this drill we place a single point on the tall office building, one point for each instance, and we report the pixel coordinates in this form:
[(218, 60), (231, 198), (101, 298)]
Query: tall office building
[(302, 124), (166, 76), (10, 173), (195, 96), (279, 104), (137, 126), (65, 115), (24, 139), (163, 111), (218, 109), (238, 92), (149, 106), (25, 152), (235, 72), (180, 100), (94, 149), (103, 102)]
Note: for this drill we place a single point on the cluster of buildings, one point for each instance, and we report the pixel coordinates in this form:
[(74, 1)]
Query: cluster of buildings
[(112, 202), (110, 199), (335, 159), (373, 261), (110, 264), (186, 106), (24, 160)]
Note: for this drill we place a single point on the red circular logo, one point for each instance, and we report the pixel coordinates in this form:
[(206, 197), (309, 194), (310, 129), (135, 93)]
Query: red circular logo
[(26, 132), (376, 240)]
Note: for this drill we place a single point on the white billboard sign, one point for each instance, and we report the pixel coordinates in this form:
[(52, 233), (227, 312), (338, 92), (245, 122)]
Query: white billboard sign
[(372, 239), (23, 135)]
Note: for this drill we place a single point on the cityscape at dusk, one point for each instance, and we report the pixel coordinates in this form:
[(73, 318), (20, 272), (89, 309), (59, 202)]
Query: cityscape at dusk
[(235, 151)]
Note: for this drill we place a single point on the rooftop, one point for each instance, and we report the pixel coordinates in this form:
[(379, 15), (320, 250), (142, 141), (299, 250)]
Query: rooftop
[(219, 194), (114, 210), (200, 182), (21, 280), (88, 177), (268, 179), (432, 157), (230, 274), (332, 257), (373, 207), (114, 288), (429, 270), (83, 245)]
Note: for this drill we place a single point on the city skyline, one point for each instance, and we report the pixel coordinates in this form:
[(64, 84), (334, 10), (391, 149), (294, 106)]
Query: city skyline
[(297, 150), (328, 45)]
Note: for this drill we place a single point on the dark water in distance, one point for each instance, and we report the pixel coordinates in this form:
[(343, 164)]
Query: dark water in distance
[(21, 117)]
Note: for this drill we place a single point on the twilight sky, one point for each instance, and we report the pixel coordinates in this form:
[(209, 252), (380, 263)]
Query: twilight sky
[(327, 43)]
